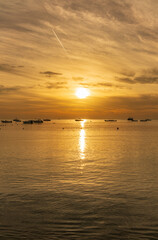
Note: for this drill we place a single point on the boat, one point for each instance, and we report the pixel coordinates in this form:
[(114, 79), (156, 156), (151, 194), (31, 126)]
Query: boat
[(16, 120), (130, 119), (110, 120), (28, 122), (47, 120), (38, 121), (6, 121), (143, 120), (78, 120)]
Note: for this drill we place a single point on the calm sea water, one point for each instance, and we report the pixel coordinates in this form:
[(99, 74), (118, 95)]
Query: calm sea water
[(87, 181)]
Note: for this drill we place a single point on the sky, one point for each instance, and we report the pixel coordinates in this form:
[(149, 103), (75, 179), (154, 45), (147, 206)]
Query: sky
[(49, 48)]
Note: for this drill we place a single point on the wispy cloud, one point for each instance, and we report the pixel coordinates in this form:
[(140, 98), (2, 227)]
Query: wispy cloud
[(148, 76), (56, 85), (4, 67), (148, 101), (50, 73), (103, 85), (4, 89), (14, 90), (78, 78)]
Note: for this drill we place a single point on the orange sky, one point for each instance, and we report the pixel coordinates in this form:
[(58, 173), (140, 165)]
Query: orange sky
[(50, 48)]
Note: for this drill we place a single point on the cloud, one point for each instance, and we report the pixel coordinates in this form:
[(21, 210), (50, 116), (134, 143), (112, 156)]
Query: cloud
[(146, 80), (18, 70), (26, 89), (141, 80), (141, 105), (149, 76), (6, 89), (103, 85), (152, 71), (113, 9), (15, 90), (121, 11), (56, 85), (140, 102), (125, 80), (50, 73), (78, 78), (146, 33), (7, 68), (107, 84), (128, 73)]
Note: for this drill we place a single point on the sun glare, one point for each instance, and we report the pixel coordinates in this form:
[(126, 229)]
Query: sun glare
[(82, 92)]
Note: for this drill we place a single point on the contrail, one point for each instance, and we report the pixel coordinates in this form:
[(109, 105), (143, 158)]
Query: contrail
[(59, 41), (52, 28)]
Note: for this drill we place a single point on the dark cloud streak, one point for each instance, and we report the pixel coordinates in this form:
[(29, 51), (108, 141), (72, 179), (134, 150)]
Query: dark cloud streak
[(56, 85), (50, 73), (149, 76), (10, 89), (102, 85)]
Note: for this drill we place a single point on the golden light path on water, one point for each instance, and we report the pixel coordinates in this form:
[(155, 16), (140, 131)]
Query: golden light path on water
[(82, 144)]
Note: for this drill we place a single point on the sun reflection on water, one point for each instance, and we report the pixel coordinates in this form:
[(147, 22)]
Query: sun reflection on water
[(82, 144), (82, 123)]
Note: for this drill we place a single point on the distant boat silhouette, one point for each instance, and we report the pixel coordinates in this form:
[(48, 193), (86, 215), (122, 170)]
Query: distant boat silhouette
[(16, 120), (28, 122), (6, 121), (110, 120), (130, 119), (47, 120), (38, 121), (145, 120), (77, 120)]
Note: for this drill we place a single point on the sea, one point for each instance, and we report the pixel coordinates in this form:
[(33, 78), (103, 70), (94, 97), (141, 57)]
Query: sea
[(79, 180)]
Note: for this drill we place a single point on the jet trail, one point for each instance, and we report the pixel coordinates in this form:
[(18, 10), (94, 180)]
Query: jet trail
[(59, 41), (45, 5), (52, 27)]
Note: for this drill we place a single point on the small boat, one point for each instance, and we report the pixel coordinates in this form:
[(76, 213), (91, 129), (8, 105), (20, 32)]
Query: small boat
[(143, 120), (47, 120), (6, 121), (38, 121), (110, 120), (78, 120), (130, 119), (16, 120), (28, 122)]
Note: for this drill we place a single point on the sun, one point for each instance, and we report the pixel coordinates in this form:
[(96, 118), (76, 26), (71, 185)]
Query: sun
[(82, 92)]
